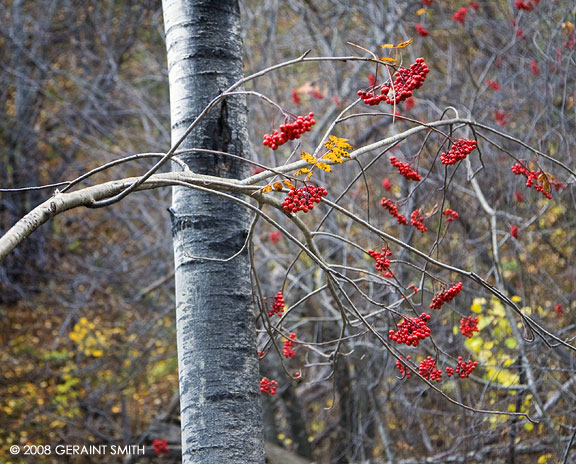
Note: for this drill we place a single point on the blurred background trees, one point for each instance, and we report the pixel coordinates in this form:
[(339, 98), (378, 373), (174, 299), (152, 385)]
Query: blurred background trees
[(87, 309)]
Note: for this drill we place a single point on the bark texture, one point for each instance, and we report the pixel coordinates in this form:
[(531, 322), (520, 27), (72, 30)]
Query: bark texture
[(218, 368)]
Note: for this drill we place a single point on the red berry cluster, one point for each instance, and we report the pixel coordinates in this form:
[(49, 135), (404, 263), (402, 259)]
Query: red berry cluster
[(404, 372), (406, 80), (268, 386), (451, 215), (404, 169), (160, 446), (428, 369), (411, 330), (382, 260), (463, 369), (514, 232), (531, 178), (288, 351), (460, 149), (527, 6), (303, 199), (289, 131), (469, 325), (421, 30), (446, 296), (416, 220), (460, 15), (278, 306), (393, 210)]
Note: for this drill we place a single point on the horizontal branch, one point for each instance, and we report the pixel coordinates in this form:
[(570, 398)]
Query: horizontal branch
[(61, 202)]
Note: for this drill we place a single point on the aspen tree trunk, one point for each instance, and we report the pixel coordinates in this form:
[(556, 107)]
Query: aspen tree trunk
[(218, 368)]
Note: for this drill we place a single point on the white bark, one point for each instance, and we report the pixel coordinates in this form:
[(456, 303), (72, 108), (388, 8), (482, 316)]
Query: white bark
[(218, 367)]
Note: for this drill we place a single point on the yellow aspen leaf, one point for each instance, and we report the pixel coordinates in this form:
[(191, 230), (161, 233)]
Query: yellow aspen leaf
[(277, 186), (324, 167), (421, 11), (404, 44), (544, 458), (288, 184), (388, 59), (307, 157), (267, 189), (302, 171), (511, 343), (387, 46)]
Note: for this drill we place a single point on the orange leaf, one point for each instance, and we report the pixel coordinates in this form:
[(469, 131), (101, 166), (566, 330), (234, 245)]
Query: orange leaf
[(387, 46), (544, 180), (288, 184), (404, 44), (389, 59), (277, 186), (267, 189)]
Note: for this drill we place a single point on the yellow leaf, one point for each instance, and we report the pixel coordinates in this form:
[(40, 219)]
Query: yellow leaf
[(324, 167), (474, 344), (302, 171), (516, 299), (404, 44), (476, 308), (340, 142), (277, 186), (288, 184), (332, 156), (309, 175), (387, 46), (421, 11), (307, 157), (528, 426), (267, 189), (511, 343), (388, 59)]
